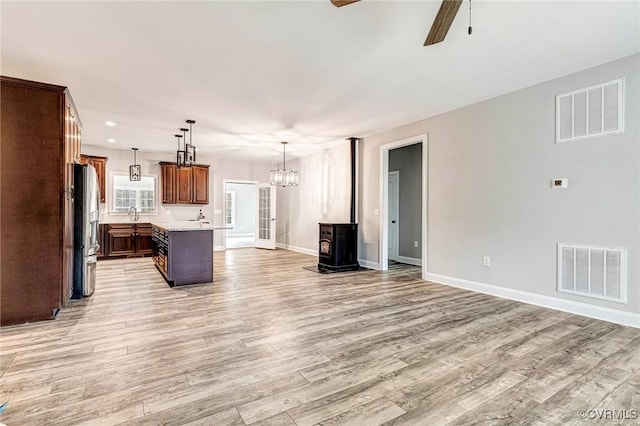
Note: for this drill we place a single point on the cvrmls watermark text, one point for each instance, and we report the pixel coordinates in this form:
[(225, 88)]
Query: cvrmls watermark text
[(608, 414)]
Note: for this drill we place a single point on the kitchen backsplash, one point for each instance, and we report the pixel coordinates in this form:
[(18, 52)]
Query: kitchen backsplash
[(166, 213)]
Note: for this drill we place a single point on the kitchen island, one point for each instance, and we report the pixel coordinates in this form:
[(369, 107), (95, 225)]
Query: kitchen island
[(183, 251)]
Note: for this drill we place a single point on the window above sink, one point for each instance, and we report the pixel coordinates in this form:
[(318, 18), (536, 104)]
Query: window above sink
[(124, 194)]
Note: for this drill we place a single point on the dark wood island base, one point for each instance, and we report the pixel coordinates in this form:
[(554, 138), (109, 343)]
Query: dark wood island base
[(183, 253)]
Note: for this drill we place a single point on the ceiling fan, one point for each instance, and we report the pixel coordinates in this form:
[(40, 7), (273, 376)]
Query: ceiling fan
[(441, 24)]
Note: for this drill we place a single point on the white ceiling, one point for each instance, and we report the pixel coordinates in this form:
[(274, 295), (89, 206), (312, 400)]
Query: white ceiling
[(255, 73)]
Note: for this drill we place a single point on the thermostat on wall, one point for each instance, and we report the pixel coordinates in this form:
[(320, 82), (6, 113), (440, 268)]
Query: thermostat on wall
[(560, 183)]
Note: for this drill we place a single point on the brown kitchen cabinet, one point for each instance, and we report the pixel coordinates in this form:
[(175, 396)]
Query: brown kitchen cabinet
[(186, 185), (102, 241), (100, 164), (120, 239), (143, 240), (40, 133), (168, 184), (200, 187), (127, 239)]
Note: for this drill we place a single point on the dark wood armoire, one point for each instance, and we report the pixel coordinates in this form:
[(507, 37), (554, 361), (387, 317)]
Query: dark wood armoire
[(40, 142)]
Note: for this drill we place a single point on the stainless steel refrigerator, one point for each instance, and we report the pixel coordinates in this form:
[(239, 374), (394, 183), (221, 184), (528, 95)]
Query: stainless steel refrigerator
[(86, 218)]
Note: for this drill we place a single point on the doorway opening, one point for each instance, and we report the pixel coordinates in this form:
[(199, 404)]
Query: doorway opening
[(403, 202), (239, 214)]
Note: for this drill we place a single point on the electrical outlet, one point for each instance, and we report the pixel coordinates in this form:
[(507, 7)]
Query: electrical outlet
[(560, 183), (486, 261), (415, 244)]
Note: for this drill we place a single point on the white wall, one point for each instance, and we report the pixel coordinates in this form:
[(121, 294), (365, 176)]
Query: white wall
[(324, 195), (119, 161), (489, 172)]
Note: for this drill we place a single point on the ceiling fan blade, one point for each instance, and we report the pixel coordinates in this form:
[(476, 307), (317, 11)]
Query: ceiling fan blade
[(441, 24), (340, 3)]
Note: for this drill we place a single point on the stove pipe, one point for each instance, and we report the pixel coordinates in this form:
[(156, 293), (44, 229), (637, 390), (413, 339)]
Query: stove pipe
[(353, 141)]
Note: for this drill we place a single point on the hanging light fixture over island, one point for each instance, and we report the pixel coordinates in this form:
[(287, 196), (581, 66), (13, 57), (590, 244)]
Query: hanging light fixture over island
[(187, 156), (284, 177), (134, 169)]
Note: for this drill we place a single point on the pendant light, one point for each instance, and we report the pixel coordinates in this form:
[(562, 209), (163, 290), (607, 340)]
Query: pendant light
[(284, 177), (183, 155), (189, 149), (179, 154), (134, 169)]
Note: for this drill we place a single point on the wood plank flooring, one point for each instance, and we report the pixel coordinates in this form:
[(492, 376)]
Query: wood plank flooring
[(270, 343)]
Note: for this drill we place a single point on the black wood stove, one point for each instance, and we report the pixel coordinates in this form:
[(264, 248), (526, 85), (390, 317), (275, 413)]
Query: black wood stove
[(338, 249)]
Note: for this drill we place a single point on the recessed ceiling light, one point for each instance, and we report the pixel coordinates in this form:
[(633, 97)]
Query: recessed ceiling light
[(111, 140), (110, 123)]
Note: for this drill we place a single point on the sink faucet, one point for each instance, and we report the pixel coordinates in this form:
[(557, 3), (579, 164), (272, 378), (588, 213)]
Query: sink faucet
[(136, 214)]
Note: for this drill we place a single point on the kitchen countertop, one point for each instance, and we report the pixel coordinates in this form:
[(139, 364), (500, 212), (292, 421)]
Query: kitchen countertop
[(186, 225)]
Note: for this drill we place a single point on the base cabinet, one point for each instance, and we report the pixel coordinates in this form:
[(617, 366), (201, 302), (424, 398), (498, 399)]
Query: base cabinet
[(183, 256), (102, 240), (120, 240), (143, 239), (126, 239)]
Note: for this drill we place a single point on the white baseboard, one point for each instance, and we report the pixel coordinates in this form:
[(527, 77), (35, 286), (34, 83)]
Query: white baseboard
[(578, 308), (310, 252), (369, 264), (218, 248), (410, 260), (297, 249)]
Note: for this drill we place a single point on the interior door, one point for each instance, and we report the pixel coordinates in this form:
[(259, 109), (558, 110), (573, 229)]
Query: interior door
[(394, 181), (265, 216)]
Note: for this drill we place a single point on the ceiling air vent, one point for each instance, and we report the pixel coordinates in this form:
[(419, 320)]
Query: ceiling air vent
[(597, 272), (593, 111)]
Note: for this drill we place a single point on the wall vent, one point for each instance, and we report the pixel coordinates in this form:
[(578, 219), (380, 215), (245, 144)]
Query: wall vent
[(593, 111), (597, 272)]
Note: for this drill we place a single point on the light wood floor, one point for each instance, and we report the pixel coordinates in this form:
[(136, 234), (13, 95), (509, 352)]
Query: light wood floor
[(271, 343)]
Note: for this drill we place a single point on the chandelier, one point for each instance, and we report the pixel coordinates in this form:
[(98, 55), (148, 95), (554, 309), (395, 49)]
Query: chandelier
[(284, 177)]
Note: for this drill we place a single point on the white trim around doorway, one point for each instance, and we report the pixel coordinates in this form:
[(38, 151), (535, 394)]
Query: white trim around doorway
[(224, 206), (383, 245)]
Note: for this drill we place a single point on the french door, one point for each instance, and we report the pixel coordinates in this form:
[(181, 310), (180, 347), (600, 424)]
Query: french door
[(266, 216)]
